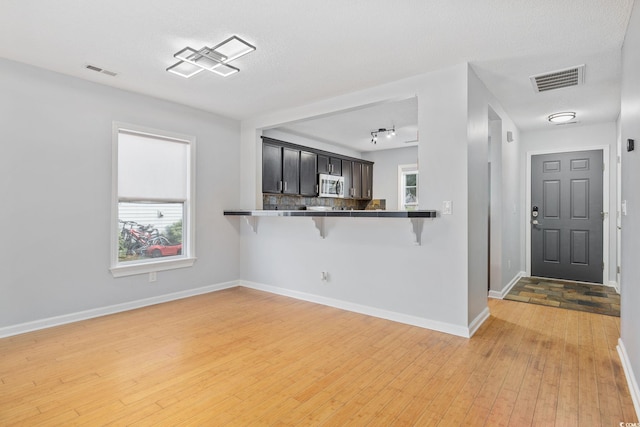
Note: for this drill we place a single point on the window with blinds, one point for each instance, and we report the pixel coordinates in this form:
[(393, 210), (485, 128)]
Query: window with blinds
[(153, 199)]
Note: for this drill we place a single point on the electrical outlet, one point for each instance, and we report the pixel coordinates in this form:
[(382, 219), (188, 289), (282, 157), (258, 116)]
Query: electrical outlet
[(446, 207), (324, 276), (152, 276)]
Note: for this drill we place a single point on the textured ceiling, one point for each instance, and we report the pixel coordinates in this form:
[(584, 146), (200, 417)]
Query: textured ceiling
[(352, 129), (308, 50)]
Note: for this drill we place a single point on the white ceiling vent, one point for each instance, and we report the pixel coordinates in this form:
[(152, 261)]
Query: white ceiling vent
[(101, 70), (573, 76)]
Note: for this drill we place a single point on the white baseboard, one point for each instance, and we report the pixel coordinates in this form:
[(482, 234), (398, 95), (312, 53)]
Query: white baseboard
[(435, 325), (631, 378), (112, 309), (505, 291), (614, 285), (478, 321)]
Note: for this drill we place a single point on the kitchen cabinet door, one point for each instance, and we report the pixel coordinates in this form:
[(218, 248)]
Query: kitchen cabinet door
[(308, 174), (271, 168), (290, 171), (356, 172), (329, 165), (336, 166), (367, 181), (346, 174)]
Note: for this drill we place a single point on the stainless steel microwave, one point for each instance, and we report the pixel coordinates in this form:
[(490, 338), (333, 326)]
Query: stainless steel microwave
[(330, 185)]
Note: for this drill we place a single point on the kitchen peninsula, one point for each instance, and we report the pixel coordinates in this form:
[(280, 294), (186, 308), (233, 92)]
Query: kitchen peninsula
[(334, 213), (300, 181), (416, 217)]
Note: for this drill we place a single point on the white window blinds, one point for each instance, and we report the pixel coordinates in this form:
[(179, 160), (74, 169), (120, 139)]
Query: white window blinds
[(152, 168)]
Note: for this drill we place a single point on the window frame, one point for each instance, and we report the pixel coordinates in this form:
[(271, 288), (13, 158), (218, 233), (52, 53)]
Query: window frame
[(404, 170), (188, 257)]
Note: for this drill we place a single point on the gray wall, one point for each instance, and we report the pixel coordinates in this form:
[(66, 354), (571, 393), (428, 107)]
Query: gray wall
[(374, 263), (385, 172), (55, 182), (484, 109), (630, 126)]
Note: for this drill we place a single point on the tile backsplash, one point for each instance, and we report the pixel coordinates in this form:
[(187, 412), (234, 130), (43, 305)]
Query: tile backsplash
[(287, 202)]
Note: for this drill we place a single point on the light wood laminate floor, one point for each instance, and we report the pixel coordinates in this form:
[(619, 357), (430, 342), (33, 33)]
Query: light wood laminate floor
[(244, 357)]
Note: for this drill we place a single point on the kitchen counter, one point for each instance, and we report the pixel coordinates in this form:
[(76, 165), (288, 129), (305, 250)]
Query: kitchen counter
[(318, 216), (334, 213)]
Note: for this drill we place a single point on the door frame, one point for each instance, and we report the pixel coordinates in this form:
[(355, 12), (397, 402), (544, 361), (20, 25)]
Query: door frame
[(605, 204), (618, 228)]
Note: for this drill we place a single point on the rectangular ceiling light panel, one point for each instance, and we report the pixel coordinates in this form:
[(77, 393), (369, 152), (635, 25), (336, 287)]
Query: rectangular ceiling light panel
[(203, 58), (233, 48), (184, 69), (225, 70), (573, 76)]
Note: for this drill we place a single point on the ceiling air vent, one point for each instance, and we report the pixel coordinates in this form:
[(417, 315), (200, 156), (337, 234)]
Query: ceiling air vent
[(101, 70), (573, 76)]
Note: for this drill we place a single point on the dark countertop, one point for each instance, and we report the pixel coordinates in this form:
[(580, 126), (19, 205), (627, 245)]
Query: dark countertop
[(337, 213)]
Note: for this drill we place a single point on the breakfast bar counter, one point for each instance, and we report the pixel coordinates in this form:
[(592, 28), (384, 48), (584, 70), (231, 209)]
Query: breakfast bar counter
[(335, 213), (318, 216)]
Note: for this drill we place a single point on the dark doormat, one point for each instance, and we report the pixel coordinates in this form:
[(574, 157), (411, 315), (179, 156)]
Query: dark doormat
[(566, 294)]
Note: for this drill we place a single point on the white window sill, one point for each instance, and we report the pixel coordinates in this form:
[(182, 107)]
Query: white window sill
[(150, 266)]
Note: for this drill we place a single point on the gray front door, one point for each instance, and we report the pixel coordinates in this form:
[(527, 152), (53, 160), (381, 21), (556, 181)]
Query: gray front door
[(566, 216)]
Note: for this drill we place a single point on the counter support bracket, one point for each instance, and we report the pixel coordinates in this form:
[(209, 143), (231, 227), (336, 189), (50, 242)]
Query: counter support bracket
[(417, 224), (252, 221), (319, 222)]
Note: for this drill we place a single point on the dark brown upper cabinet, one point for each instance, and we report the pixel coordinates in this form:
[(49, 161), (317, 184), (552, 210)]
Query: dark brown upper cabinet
[(329, 165), (280, 169), (308, 174), (293, 169)]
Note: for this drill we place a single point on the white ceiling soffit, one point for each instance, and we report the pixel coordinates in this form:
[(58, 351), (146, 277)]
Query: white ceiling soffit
[(353, 128), (312, 50)]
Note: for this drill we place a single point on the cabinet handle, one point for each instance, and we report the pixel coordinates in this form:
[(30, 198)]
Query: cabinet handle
[(285, 186), (280, 186), (317, 188)]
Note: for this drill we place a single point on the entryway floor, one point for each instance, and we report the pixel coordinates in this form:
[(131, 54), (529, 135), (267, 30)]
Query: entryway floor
[(566, 294)]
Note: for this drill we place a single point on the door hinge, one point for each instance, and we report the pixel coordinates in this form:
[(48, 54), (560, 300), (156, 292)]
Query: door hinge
[(603, 265), (618, 269), (602, 167)]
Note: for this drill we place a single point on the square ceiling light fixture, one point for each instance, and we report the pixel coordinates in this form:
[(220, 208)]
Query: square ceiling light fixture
[(214, 59)]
